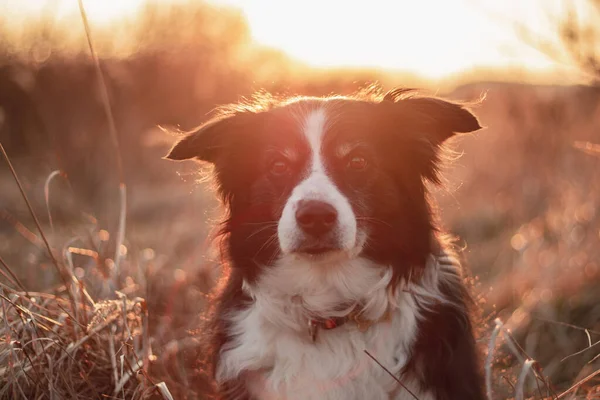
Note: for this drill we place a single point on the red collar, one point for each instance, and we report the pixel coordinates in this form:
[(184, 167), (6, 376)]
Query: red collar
[(314, 324), (317, 323)]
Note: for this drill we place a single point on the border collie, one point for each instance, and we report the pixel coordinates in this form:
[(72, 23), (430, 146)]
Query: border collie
[(332, 251)]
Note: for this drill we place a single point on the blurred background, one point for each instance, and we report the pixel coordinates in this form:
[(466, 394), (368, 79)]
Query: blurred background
[(523, 195)]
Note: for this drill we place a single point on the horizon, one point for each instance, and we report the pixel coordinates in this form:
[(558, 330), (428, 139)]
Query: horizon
[(333, 40)]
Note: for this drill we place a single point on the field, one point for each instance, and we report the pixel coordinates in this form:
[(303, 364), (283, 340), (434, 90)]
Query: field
[(115, 310)]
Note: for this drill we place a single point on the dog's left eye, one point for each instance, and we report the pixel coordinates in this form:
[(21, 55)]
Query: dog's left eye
[(357, 163), (278, 167)]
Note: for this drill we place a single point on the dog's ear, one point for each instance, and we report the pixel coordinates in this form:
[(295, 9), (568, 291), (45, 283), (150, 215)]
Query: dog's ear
[(209, 141), (428, 123), (436, 118)]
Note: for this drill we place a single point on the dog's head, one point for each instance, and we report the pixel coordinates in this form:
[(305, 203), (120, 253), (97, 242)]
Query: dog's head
[(320, 178)]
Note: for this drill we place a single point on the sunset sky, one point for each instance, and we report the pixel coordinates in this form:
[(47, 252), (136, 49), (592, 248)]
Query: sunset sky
[(429, 37), (432, 38)]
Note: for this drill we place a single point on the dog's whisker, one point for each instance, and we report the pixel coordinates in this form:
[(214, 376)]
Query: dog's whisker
[(261, 230), (371, 219), (267, 243), (261, 223)]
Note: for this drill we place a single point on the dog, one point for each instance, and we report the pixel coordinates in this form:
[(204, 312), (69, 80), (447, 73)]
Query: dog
[(338, 282)]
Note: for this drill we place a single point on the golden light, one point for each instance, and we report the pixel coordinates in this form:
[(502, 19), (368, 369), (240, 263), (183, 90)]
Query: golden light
[(105, 11), (99, 11), (431, 38)]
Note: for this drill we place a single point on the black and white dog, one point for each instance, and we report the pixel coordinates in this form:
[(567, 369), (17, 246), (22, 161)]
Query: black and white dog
[(332, 249)]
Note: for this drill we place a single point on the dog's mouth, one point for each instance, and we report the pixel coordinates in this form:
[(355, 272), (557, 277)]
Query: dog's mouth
[(321, 249), (317, 250)]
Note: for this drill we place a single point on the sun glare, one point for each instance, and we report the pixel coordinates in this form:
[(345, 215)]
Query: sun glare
[(104, 11), (430, 38)]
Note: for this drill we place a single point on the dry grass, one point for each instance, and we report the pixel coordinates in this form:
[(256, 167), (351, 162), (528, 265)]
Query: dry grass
[(65, 344), (54, 348)]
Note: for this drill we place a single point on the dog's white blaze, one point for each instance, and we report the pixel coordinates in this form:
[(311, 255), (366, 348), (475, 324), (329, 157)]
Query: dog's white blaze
[(314, 129), (272, 351), (317, 186)]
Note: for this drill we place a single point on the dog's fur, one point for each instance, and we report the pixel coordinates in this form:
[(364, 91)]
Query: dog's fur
[(370, 158)]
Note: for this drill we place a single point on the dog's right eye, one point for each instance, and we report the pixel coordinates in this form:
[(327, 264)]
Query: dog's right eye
[(279, 167)]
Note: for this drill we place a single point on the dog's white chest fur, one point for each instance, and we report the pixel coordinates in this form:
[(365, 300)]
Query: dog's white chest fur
[(273, 352)]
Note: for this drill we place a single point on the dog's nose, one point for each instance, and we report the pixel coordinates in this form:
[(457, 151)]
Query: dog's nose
[(316, 217)]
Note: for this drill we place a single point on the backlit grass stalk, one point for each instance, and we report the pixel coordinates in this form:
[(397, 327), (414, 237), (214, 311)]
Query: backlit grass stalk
[(73, 288), (520, 389), (588, 147), (121, 228), (114, 137), (113, 358), (522, 356), (490, 358), (164, 391), (578, 384), (13, 276), (392, 375), (145, 339), (61, 272), (47, 196)]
